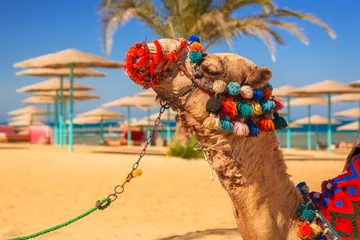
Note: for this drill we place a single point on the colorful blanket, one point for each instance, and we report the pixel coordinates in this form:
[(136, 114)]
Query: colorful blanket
[(339, 200)]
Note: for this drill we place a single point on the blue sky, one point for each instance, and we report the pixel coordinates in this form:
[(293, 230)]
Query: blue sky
[(33, 28)]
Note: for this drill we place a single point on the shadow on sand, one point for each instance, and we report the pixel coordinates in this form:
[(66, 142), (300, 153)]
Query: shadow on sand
[(199, 234), (126, 153)]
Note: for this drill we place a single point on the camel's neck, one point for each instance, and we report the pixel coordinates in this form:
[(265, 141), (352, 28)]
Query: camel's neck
[(253, 172)]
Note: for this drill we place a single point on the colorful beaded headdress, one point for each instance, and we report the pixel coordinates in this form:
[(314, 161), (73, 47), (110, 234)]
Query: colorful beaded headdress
[(233, 108)]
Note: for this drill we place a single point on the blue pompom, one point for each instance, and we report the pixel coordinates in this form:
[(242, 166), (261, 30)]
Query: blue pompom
[(195, 56), (244, 110), (306, 214), (226, 126), (193, 38), (267, 105), (253, 129), (233, 88), (269, 86), (279, 122), (258, 94), (322, 238)]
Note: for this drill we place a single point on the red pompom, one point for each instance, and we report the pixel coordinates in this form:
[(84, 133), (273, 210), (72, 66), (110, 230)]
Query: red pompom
[(265, 125), (229, 107), (305, 231)]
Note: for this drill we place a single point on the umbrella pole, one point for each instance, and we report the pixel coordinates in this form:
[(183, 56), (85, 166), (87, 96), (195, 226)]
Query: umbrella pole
[(148, 125), (317, 137), (329, 140), (61, 112), (168, 133), (83, 134), (288, 130), (71, 112), (101, 131), (56, 108), (64, 123), (129, 127), (48, 113), (309, 129)]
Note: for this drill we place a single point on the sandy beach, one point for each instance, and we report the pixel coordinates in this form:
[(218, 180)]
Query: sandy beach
[(42, 186)]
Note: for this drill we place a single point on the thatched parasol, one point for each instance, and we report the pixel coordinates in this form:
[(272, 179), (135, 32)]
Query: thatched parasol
[(147, 93), (349, 127), (53, 84), (317, 120), (30, 110), (77, 95), (70, 58), (283, 114), (133, 102), (327, 87), (27, 117), (355, 83), (103, 114), (23, 123), (352, 97), (60, 72), (308, 101), (38, 100), (351, 113)]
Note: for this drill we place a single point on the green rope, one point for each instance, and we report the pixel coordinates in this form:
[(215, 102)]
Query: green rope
[(102, 207)]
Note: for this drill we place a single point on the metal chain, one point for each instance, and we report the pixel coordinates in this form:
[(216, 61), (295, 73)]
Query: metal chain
[(119, 189)]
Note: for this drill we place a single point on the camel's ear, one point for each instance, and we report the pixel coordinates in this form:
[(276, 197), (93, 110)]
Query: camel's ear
[(258, 78)]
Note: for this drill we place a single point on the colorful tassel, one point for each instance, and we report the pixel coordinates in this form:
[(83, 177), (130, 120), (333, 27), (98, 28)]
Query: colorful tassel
[(267, 93), (226, 126), (233, 88), (269, 86), (267, 106), (195, 56), (195, 46), (279, 122), (246, 92), (219, 86), (258, 94), (256, 107), (241, 129), (305, 231), (193, 38), (306, 214), (244, 110), (212, 122), (229, 106), (317, 230), (279, 104), (214, 105), (265, 125), (253, 129)]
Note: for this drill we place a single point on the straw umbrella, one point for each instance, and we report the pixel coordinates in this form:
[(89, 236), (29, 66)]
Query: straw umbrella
[(132, 102), (70, 58), (31, 110), (57, 84), (317, 120), (327, 87), (27, 117), (23, 123), (349, 98), (286, 91), (349, 127), (308, 101), (351, 113), (103, 114), (355, 83)]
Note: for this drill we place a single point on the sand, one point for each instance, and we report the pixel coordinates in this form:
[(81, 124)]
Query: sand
[(41, 186)]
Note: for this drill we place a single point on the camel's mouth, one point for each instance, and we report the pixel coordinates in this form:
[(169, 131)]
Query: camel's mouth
[(244, 108)]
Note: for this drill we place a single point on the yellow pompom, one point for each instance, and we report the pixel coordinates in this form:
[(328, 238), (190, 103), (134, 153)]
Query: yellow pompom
[(219, 86), (212, 122), (316, 229), (136, 173), (256, 107)]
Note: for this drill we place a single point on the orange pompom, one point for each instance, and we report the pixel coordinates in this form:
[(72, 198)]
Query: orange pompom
[(265, 125), (267, 93), (305, 231), (195, 46), (229, 107)]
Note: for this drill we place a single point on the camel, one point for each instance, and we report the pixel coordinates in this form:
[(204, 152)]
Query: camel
[(252, 170)]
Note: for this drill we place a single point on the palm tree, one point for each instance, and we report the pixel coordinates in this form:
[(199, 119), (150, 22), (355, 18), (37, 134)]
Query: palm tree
[(212, 21)]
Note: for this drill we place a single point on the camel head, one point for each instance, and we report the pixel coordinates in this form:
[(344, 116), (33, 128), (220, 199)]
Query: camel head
[(222, 93)]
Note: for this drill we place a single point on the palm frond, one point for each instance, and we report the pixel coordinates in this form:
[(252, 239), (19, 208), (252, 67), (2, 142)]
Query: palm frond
[(229, 6)]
